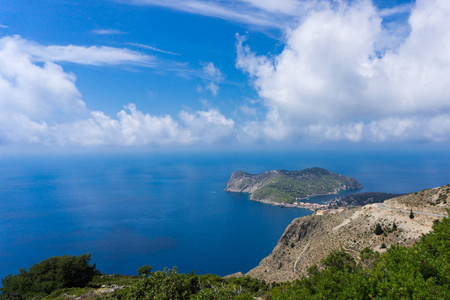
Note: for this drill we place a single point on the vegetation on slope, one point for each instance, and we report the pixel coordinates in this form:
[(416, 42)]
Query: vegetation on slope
[(417, 272)]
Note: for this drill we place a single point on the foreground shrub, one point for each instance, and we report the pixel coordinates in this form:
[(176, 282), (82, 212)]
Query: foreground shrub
[(171, 285), (49, 275)]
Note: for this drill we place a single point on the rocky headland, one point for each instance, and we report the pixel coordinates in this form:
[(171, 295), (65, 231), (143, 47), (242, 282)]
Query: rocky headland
[(281, 186)]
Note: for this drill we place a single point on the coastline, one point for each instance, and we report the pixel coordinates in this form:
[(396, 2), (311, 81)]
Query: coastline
[(304, 205)]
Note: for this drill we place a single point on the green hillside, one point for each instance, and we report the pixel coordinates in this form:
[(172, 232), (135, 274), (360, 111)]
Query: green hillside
[(286, 186)]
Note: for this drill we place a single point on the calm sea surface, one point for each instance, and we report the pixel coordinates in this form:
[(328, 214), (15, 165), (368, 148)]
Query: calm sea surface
[(170, 210)]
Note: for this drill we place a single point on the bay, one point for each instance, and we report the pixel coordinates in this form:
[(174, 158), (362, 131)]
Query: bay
[(169, 210)]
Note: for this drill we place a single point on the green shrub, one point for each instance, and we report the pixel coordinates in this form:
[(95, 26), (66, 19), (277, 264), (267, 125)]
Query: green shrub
[(167, 284), (52, 274)]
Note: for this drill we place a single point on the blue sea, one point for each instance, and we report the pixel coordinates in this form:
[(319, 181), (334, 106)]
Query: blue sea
[(166, 210)]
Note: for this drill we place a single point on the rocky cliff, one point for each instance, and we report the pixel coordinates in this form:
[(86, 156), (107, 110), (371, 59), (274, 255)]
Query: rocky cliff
[(287, 186), (309, 239)]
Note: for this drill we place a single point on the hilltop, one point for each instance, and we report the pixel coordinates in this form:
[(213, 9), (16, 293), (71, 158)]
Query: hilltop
[(308, 240), (279, 186)]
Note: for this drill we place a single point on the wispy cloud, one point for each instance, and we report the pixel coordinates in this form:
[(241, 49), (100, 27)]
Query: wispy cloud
[(108, 32), (245, 12), (278, 14), (152, 48), (92, 55), (3, 26)]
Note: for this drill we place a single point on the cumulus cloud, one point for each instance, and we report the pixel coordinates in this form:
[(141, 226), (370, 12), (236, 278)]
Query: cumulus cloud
[(40, 92), (332, 81), (207, 126), (133, 127), (40, 104)]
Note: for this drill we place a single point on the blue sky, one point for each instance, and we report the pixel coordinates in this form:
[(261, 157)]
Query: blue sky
[(189, 74)]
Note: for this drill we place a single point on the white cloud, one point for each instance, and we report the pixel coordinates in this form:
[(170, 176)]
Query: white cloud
[(213, 88), (108, 32), (213, 76), (133, 127), (3, 26), (152, 48), (207, 126), (246, 11), (330, 81), (212, 72), (40, 104), (41, 93), (93, 55), (289, 7)]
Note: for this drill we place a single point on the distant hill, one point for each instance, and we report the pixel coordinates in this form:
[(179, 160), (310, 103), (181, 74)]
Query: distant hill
[(361, 199), (279, 186)]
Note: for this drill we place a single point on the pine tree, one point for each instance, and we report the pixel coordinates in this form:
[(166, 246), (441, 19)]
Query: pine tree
[(378, 230), (411, 214)]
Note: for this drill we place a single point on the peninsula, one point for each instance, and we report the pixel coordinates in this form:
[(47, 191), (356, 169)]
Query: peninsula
[(286, 187)]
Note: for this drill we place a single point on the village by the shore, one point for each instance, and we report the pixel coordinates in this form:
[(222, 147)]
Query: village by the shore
[(318, 209)]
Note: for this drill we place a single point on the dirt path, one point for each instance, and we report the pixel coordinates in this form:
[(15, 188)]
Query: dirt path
[(380, 205), (304, 249)]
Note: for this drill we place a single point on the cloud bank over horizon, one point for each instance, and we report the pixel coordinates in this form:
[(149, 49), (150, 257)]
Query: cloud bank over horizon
[(343, 75), (40, 104)]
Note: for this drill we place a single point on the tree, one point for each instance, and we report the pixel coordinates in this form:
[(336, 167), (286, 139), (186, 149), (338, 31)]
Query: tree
[(394, 226), (378, 230), (49, 275), (411, 214), (145, 270)]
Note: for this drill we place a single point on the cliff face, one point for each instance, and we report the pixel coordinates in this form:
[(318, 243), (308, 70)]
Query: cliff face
[(309, 239), (241, 182), (281, 185)]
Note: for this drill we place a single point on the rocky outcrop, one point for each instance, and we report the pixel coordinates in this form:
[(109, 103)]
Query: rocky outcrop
[(309, 239), (241, 182)]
